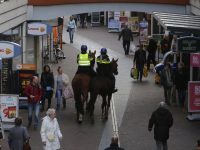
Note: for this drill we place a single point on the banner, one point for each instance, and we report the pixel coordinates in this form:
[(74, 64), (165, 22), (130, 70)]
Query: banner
[(195, 60), (143, 35), (133, 24), (188, 44), (193, 96), (9, 109), (122, 22), (113, 19)]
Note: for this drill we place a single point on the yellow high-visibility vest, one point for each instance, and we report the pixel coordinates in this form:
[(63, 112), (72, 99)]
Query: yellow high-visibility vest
[(83, 60)]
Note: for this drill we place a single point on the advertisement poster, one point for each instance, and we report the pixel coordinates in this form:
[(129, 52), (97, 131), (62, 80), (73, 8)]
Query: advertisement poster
[(133, 24), (123, 21), (194, 96), (195, 60), (9, 107), (113, 19), (143, 36)]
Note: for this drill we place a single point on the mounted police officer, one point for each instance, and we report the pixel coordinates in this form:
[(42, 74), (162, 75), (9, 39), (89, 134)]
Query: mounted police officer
[(104, 67), (85, 61)]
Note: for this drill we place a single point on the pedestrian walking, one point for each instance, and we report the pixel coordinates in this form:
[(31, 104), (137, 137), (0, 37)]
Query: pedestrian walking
[(82, 17), (61, 82), (162, 121), (71, 27), (17, 135), (114, 144), (166, 79), (34, 93), (180, 83), (198, 145), (140, 59), (47, 82), (151, 50), (165, 45), (127, 36), (50, 131)]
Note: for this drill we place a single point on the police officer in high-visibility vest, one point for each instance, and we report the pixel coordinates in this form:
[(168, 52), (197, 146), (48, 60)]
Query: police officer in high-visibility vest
[(84, 61), (104, 67)]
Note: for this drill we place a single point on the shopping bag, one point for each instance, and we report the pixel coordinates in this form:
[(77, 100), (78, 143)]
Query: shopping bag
[(68, 92), (135, 73), (131, 73), (132, 48), (173, 95), (145, 72)]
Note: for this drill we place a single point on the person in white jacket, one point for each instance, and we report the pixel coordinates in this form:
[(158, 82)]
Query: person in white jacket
[(50, 131), (60, 81)]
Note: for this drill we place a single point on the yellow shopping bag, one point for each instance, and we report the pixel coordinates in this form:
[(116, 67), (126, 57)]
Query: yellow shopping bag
[(145, 72)]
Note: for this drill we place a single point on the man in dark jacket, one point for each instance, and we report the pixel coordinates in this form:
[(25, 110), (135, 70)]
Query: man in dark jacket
[(34, 92), (114, 144), (151, 50), (127, 35), (140, 59), (162, 120), (165, 45)]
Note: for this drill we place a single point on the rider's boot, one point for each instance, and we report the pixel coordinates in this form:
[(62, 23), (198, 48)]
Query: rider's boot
[(114, 89)]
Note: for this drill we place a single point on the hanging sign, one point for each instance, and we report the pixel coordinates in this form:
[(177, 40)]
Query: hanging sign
[(143, 31), (195, 60), (25, 66), (178, 33), (188, 44), (9, 49), (38, 28), (193, 96), (9, 107)]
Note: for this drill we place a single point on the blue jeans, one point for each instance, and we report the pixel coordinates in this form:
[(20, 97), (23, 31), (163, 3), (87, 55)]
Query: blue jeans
[(181, 97), (59, 94), (36, 107), (161, 144), (140, 68), (71, 34)]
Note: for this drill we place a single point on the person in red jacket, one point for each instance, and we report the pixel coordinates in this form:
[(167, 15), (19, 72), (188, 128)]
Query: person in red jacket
[(34, 92)]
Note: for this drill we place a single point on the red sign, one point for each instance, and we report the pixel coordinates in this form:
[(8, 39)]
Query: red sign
[(195, 60), (194, 96), (123, 19), (22, 75)]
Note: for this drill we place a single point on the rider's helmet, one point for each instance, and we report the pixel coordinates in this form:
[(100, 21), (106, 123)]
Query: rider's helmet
[(103, 51), (83, 48)]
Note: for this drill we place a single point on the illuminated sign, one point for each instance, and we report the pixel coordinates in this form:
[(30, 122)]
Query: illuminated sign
[(38, 28)]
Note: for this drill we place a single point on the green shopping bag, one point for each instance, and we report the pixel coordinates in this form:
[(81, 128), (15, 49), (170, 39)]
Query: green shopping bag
[(135, 74)]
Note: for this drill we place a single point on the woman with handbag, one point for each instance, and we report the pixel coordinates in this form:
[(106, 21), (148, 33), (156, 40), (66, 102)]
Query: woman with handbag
[(180, 83), (17, 135), (166, 79), (61, 82), (50, 131), (47, 83), (71, 26)]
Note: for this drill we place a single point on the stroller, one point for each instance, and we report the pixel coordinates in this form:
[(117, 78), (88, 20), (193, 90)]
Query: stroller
[(80, 23)]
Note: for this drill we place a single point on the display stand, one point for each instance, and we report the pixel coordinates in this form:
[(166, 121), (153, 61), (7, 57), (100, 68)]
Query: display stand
[(193, 117)]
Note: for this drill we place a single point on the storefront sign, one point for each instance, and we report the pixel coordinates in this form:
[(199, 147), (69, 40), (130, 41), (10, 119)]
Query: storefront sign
[(123, 22), (188, 44), (178, 33), (25, 66), (195, 60), (38, 28), (113, 19), (144, 24), (13, 32), (193, 96), (9, 50), (9, 107), (133, 24)]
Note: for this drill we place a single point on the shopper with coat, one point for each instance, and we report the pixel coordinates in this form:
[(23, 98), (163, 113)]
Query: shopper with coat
[(152, 51), (165, 45), (61, 82), (162, 121), (140, 59), (166, 79), (71, 27), (17, 135), (180, 83), (47, 82), (50, 131)]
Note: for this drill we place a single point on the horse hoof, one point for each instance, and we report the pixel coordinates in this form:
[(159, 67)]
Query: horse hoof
[(92, 122)]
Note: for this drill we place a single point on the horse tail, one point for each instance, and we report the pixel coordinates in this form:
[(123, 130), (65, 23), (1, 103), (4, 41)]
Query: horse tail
[(77, 96)]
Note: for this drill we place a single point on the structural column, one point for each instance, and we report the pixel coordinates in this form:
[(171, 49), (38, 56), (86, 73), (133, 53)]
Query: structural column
[(39, 55), (24, 54)]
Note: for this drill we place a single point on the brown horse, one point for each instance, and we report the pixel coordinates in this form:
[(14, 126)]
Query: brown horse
[(103, 86), (80, 85)]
